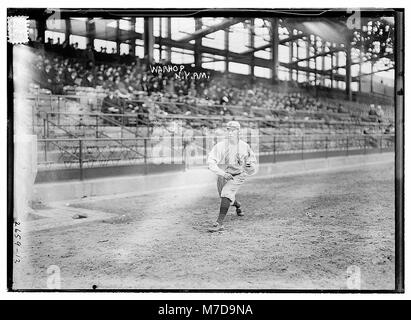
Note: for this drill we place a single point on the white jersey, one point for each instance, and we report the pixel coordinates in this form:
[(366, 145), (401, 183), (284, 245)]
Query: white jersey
[(232, 158)]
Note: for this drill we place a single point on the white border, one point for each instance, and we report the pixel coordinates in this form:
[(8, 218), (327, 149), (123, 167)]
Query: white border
[(4, 295)]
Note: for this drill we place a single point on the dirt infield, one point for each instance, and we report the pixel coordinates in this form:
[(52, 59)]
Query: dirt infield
[(299, 232)]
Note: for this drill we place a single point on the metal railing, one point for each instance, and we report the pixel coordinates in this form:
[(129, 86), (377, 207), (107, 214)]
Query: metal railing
[(80, 123), (86, 153), (136, 124)]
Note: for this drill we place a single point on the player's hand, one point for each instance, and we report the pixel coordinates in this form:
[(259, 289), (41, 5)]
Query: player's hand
[(228, 176)]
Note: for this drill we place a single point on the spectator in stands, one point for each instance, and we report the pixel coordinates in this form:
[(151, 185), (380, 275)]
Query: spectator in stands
[(390, 129), (380, 113), (112, 104), (73, 79), (59, 82), (88, 80), (48, 76), (225, 111), (341, 109), (49, 44), (66, 49), (38, 44), (109, 84), (97, 69), (99, 80), (76, 50), (372, 111), (121, 87)]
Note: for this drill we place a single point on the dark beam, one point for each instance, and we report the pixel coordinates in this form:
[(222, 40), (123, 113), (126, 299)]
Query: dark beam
[(220, 26), (371, 73), (198, 43), (319, 55), (348, 73), (67, 29), (331, 72), (235, 57), (91, 31), (133, 41), (290, 59), (307, 75), (323, 63), (118, 40), (315, 63), (169, 38), (265, 46), (251, 42), (148, 39), (226, 49), (274, 49), (41, 29)]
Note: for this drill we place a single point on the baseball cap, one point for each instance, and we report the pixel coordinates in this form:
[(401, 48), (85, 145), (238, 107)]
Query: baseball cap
[(233, 124)]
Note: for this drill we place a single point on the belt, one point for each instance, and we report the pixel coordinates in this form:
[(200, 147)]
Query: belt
[(235, 174)]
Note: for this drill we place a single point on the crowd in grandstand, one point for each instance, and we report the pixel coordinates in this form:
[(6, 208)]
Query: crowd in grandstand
[(132, 88)]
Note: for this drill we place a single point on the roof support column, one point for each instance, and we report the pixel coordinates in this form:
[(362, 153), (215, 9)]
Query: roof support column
[(148, 39), (291, 54), (372, 77), (41, 29), (197, 44), (307, 74), (169, 38), (348, 72), (133, 41), (274, 49), (226, 47), (332, 69), (296, 65), (360, 64), (315, 61), (118, 36), (251, 43), (323, 64), (67, 31), (91, 31), (337, 63)]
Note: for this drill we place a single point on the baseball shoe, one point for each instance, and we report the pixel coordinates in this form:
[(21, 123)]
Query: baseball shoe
[(238, 210), (216, 227)]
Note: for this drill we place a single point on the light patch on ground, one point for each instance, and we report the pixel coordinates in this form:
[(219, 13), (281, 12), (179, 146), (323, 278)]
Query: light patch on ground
[(164, 242)]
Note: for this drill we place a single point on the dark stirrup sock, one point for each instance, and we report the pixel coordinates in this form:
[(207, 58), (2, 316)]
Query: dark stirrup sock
[(224, 206), (236, 204)]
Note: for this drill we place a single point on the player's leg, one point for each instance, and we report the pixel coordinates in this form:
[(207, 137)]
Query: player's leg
[(233, 188), (219, 224), (227, 194), (221, 181), (224, 206)]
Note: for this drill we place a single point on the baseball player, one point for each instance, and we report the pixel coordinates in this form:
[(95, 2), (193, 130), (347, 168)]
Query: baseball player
[(232, 160)]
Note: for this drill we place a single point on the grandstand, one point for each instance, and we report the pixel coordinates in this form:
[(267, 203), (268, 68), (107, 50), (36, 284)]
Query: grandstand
[(115, 112), (106, 93)]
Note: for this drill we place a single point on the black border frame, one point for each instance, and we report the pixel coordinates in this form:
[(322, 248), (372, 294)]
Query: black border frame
[(398, 13)]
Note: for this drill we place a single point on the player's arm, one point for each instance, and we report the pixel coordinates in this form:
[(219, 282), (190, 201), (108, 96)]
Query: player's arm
[(214, 158)]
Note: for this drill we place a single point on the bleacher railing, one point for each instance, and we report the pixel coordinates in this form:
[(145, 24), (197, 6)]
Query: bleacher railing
[(97, 125), (86, 153)]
